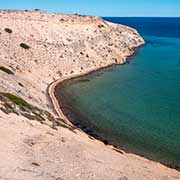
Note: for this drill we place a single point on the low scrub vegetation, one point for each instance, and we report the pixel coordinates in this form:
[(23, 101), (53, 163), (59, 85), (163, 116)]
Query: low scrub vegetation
[(16, 100), (8, 30), (14, 104), (25, 46), (4, 69)]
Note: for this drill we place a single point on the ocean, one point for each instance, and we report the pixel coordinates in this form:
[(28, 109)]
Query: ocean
[(135, 106)]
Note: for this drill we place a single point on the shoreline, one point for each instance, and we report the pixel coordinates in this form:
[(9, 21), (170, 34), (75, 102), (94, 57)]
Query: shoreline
[(51, 87), (58, 107)]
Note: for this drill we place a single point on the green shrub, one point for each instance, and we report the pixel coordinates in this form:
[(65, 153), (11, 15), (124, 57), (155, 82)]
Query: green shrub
[(20, 84), (6, 70), (25, 46), (14, 104), (8, 30), (16, 100)]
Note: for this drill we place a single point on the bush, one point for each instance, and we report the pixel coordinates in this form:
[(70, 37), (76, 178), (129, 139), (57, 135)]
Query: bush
[(8, 30), (8, 71), (16, 100), (100, 25), (15, 104), (25, 46)]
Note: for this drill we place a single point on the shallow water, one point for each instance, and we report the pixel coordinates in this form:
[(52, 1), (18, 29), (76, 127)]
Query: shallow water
[(135, 106)]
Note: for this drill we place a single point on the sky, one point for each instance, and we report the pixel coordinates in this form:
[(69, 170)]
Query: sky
[(118, 8)]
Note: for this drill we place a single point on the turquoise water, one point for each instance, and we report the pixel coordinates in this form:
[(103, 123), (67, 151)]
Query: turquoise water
[(135, 106)]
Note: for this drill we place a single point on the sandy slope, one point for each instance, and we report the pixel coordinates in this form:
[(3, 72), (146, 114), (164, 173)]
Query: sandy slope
[(67, 155), (61, 46)]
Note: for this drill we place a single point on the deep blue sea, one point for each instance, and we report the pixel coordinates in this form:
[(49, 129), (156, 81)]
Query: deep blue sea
[(135, 106)]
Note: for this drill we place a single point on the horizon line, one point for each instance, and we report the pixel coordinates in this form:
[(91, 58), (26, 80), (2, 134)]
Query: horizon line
[(102, 16), (140, 16)]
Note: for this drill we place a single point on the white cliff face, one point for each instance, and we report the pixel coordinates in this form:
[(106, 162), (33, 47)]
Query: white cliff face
[(59, 46)]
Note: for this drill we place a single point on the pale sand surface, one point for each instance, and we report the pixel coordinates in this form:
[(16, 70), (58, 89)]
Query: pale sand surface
[(61, 46), (64, 154)]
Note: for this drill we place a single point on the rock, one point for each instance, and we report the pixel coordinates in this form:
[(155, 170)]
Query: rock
[(35, 164), (59, 178), (123, 178)]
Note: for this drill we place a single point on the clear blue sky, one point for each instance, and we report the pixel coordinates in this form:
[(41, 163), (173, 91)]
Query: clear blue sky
[(100, 7)]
